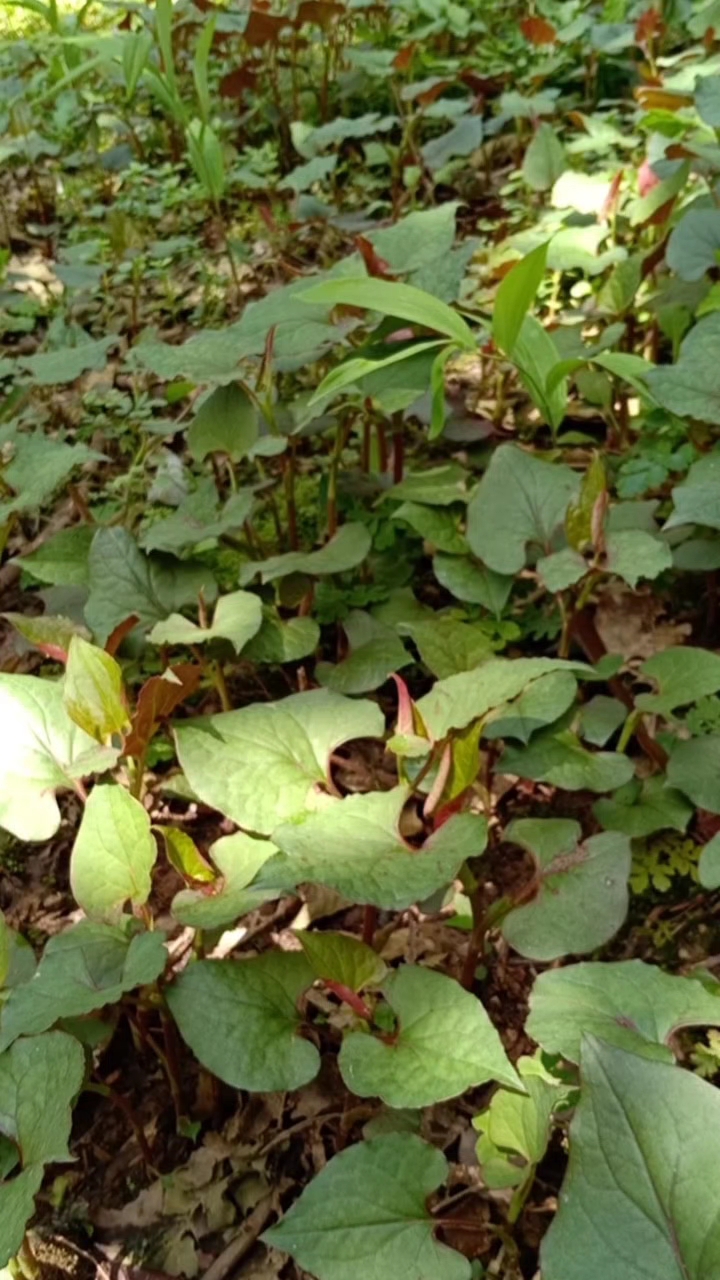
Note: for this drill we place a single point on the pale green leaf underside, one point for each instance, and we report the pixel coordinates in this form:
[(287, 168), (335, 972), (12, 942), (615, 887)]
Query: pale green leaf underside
[(113, 855), (41, 751)]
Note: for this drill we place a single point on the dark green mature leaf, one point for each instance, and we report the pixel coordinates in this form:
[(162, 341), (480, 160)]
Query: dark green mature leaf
[(520, 500), (41, 751), (471, 582), (436, 526), (39, 1078), (540, 705), (560, 758), (644, 1204), (683, 675), (691, 387), (435, 486), (402, 301), (697, 499), (694, 245), (707, 100), (457, 701), (445, 1044), (641, 808), (226, 422), (582, 894), (709, 864), (89, 966), (562, 569), (375, 864), (345, 550), (279, 640), (123, 582), (367, 1212), (627, 1003), (113, 855), (461, 140), (447, 645), (50, 368), (375, 653), (249, 875), (601, 718), (93, 691), (240, 1019), (198, 518), (266, 762), (694, 768), (633, 554)]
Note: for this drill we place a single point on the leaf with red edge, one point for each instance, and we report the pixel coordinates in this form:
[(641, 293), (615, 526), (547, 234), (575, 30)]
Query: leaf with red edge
[(538, 30), (612, 199), (158, 698), (51, 636)]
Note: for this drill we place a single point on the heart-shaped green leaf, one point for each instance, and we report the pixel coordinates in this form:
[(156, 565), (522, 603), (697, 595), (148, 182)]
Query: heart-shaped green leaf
[(241, 1021), (627, 1003), (561, 759), (355, 846), (581, 896), (444, 1044), (455, 702), (93, 691), (344, 551), (521, 501), (266, 763), (366, 1214), (342, 958)]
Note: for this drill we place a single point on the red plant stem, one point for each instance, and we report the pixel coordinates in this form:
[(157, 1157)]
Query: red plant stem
[(370, 922), (349, 997)]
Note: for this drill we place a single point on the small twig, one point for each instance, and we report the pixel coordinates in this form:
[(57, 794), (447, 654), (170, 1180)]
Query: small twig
[(243, 1243)]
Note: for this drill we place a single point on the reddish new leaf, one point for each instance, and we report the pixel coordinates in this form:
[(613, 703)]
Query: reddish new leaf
[(157, 700), (238, 82), (648, 26), (321, 13), (122, 630), (263, 28), (403, 58), (538, 30)]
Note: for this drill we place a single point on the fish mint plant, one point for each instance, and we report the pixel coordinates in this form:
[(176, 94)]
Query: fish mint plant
[(359, 656)]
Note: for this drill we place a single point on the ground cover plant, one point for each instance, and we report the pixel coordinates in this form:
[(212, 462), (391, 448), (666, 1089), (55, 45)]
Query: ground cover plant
[(359, 648)]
